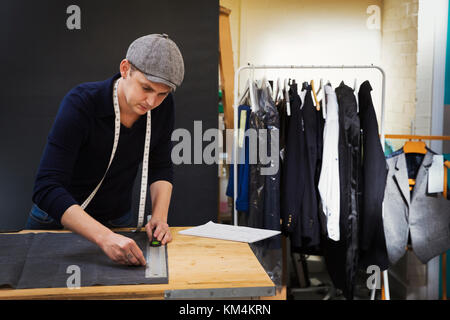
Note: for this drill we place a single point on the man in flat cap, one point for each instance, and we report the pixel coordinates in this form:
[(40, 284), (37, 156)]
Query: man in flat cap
[(97, 142)]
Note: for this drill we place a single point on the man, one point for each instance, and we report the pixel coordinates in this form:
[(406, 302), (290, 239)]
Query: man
[(80, 144)]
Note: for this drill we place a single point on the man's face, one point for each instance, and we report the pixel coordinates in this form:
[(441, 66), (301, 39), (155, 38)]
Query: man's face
[(142, 94)]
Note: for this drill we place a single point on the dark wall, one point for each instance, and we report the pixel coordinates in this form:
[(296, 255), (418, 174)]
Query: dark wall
[(42, 60)]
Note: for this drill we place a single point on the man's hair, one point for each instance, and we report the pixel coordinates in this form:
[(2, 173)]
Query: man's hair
[(132, 68)]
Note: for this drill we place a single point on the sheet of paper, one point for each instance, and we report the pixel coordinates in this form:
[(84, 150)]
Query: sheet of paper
[(436, 174), (229, 232)]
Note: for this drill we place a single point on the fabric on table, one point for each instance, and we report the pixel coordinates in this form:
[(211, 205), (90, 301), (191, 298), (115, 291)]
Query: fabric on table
[(13, 253), (44, 258)]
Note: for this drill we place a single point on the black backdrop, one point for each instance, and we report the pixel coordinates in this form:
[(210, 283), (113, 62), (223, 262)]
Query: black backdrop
[(41, 60)]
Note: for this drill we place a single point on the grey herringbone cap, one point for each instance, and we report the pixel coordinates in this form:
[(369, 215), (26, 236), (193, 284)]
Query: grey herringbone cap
[(158, 58)]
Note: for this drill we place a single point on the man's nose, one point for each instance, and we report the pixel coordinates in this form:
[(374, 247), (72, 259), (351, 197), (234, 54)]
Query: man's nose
[(151, 99)]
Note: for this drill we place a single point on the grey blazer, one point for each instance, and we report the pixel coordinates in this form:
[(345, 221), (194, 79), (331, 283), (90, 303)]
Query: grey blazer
[(425, 216)]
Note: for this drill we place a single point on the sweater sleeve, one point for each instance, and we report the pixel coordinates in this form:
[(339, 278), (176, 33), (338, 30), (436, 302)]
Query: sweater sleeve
[(69, 131), (160, 161)]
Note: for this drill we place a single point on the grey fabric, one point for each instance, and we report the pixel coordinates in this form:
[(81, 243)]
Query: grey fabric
[(158, 58), (425, 216), (13, 252), (41, 260)]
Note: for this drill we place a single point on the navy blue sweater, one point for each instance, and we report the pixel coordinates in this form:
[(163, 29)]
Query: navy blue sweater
[(79, 147)]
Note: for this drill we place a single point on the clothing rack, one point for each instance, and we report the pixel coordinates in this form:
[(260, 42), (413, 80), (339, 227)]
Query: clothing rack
[(275, 67), (446, 164)]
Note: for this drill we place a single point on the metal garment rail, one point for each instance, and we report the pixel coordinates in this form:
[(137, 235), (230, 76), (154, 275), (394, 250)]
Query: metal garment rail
[(275, 67)]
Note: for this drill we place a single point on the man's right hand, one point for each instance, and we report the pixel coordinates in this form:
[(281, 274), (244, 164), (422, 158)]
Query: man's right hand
[(122, 250)]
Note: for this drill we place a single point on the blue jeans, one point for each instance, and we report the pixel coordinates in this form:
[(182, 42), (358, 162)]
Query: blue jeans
[(40, 220)]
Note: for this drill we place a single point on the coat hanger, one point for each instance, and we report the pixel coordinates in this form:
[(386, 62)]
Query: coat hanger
[(355, 85), (286, 96), (447, 166), (316, 102), (305, 86), (277, 90), (320, 93), (266, 84), (324, 98), (254, 105), (320, 87), (415, 147), (280, 95), (245, 93), (253, 102)]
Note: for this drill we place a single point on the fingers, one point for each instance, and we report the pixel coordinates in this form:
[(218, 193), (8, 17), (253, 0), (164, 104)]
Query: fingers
[(137, 255), (167, 238), (148, 229), (132, 254), (131, 259), (160, 231), (125, 251)]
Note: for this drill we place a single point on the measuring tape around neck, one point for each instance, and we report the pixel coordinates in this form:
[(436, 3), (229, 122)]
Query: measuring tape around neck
[(144, 162)]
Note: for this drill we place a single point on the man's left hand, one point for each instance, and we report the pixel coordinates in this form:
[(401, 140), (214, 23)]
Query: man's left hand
[(160, 229)]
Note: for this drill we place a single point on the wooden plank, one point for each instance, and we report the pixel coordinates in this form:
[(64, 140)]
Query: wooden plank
[(226, 66), (194, 263)]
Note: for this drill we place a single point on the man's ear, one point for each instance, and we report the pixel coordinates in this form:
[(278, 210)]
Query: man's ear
[(125, 68)]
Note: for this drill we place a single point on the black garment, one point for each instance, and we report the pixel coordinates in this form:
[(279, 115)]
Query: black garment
[(257, 181), (272, 183), (264, 209), (282, 113), (293, 179), (372, 239), (313, 124), (301, 171), (264, 206), (341, 257)]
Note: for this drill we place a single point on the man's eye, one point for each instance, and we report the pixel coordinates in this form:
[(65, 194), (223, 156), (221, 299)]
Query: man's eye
[(146, 89)]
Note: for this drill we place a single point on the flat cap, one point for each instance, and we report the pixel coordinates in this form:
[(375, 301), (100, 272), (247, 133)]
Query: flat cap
[(159, 58)]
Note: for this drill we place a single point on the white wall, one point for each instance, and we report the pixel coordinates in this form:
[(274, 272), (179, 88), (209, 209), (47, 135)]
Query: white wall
[(399, 59), (309, 32)]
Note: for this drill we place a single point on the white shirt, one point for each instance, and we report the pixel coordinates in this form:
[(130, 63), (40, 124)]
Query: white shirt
[(329, 176)]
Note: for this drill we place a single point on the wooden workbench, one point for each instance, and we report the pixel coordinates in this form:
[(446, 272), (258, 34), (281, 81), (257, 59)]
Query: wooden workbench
[(199, 268)]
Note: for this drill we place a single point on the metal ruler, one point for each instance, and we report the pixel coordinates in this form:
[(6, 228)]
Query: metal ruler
[(156, 258)]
